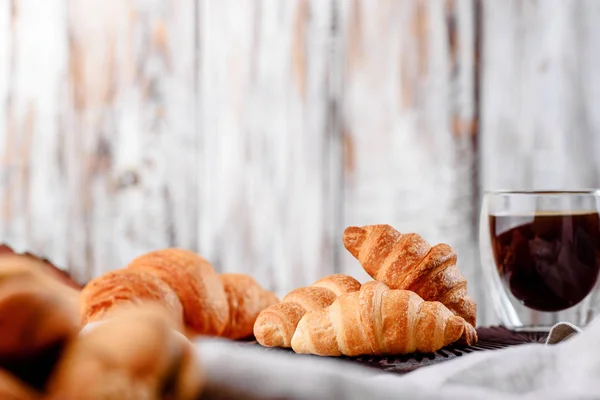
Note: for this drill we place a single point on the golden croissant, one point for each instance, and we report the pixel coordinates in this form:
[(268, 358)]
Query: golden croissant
[(377, 320), (12, 388), (408, 262), (43, 354), (135, 355), (276, 324), (184, 284)]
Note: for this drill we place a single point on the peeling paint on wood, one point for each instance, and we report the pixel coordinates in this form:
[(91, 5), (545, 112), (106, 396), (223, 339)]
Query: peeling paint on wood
[(540, 125), (264, 194), (140, 122), (411, 147), (31, 77), (254, 132), (299, 46)]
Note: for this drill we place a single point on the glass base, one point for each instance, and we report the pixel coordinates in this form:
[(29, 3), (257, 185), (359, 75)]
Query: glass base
[(516, 317), (533, 329)]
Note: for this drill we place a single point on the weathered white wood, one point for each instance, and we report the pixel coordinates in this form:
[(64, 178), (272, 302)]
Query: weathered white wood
[(266, 208), (219, 125), (131, 131), (33, 62), (6, 36), (540, 95), (5, 62), (408, 117)]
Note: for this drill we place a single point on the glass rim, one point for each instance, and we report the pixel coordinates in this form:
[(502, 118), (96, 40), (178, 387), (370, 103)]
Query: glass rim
[(543, 192)]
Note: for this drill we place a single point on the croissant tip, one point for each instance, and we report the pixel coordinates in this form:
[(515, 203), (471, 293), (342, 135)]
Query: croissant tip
[(351, 231), (353, 237), (469, 336), (269, 335), (455, 329)]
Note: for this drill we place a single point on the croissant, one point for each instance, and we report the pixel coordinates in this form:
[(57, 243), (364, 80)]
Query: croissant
[(26, 324), (377, 320), (38, 315), (187, 287), (23, 267), (198, 287), (276, 324), (35, 324), (246, 300), (136, 354), (126, 287), (42, 264), (408, 262), (12, 389)]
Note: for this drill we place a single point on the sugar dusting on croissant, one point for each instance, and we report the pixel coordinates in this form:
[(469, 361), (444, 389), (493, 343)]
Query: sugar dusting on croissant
[(377, 320), (408, 262), (276, 324), (246, 300)]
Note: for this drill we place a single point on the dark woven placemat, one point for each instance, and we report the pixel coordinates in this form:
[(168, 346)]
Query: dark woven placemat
[(492, 338)]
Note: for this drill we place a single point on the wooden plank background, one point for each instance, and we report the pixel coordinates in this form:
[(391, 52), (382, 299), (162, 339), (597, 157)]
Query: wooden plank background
[(254, 132)]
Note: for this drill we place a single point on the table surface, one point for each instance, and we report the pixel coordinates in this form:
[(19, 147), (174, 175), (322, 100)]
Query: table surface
[(490, 338)]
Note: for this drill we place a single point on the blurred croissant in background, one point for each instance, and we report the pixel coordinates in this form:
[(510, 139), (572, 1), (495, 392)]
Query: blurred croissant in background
[(137, 354)]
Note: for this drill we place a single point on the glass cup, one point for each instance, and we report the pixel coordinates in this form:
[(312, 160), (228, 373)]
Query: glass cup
[(540, 252)]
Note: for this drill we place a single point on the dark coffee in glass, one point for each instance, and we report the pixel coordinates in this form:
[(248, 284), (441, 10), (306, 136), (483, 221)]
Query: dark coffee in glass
[(540, 256), (549, 261)]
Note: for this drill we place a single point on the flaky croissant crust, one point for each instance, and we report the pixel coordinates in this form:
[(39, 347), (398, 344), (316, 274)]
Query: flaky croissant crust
[(276, 324), (377, 320), (409, 262)]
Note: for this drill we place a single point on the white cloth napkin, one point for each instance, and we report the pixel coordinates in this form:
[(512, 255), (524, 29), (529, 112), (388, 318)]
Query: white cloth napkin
[(568, 367)]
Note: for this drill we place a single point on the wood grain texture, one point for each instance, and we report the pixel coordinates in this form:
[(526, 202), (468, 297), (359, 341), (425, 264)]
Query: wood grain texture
[(33, 201), (132, 130), (408, 117), (254, 132), (266, 150), (540, 91), (98, 130)]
